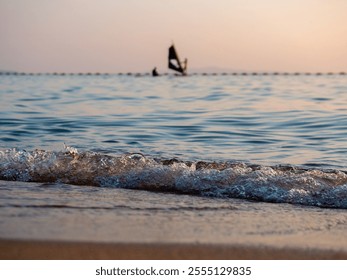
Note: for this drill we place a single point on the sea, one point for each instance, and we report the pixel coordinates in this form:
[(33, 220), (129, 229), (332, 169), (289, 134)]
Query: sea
[(109, 143)]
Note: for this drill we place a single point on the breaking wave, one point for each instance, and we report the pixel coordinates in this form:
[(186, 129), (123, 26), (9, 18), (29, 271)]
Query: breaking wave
[(227, 179)]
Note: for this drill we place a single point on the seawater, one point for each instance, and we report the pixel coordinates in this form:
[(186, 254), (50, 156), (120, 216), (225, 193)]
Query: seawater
[(273, 138)]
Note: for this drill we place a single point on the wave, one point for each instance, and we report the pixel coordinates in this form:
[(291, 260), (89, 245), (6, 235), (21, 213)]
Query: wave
[(227, 179)]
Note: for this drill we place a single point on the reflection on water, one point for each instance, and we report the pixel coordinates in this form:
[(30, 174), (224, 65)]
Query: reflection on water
[(269, 119)]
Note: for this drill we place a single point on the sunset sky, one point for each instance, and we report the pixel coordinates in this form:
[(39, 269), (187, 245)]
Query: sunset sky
[(134, 35)]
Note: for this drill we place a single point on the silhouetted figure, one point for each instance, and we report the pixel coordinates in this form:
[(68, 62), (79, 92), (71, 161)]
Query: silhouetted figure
[(174, 62), (155, 72)]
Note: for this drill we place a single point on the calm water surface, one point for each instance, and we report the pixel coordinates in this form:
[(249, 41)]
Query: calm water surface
[(260, 119)]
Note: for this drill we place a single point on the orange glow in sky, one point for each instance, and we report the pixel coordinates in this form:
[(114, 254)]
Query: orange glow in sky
[(134, 35)]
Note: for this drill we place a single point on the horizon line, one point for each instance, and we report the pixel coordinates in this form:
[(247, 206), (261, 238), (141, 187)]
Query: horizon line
[(223, 73)]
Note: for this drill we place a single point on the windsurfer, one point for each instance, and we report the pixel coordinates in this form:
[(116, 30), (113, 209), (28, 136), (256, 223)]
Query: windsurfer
[(175, 63)]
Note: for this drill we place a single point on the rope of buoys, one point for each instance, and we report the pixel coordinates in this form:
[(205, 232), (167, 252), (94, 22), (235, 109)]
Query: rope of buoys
[(7, 73)]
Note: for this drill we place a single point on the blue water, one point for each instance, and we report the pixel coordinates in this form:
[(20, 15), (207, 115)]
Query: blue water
[(274, 138)]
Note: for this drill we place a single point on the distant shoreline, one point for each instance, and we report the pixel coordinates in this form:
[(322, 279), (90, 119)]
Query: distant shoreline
[(137, 74)]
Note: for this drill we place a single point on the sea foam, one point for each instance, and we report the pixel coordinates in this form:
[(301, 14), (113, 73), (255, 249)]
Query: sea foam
[(224, 179)]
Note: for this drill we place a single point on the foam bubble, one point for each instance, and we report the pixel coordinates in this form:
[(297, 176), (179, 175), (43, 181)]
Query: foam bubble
[(277, 184)]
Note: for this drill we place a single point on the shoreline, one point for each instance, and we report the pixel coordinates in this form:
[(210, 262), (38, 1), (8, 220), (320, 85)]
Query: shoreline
[(130, 224), (11, 249)]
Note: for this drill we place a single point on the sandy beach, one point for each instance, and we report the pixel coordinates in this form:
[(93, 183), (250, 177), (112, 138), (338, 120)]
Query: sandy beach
[(55, 250), (132, 224)]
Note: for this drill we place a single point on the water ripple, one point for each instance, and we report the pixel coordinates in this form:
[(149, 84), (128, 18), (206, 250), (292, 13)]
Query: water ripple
[(268, 119)]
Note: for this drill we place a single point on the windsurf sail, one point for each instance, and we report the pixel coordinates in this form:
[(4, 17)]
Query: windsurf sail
[(174, 62)]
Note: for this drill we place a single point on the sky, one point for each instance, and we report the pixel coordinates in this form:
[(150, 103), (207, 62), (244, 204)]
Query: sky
[(134, 35)]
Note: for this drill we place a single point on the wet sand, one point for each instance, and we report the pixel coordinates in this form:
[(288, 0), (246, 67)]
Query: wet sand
[(70, 222), (58, 250)]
